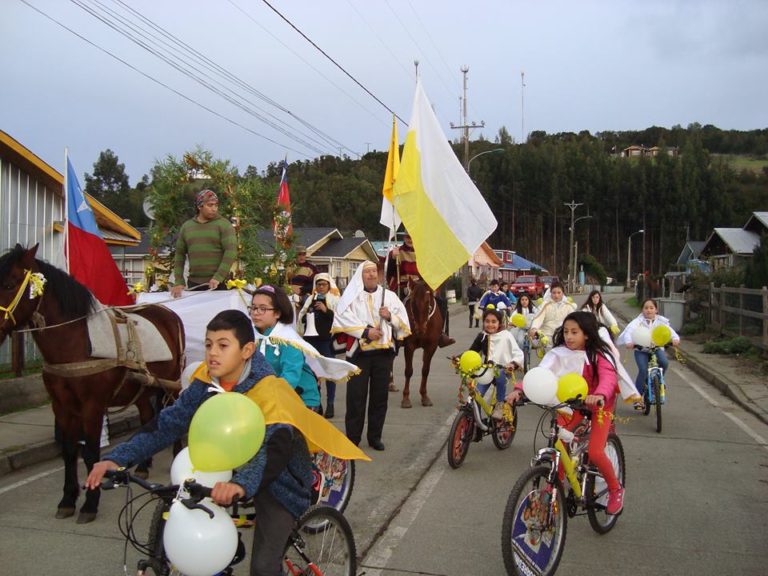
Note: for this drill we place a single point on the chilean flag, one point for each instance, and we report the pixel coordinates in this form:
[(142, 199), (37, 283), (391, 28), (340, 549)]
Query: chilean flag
[(282, 225), (90, 261)]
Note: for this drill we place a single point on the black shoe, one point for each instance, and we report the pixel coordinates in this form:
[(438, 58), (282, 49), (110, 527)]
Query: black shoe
[(376, 444), (329, 413), (445, 340)]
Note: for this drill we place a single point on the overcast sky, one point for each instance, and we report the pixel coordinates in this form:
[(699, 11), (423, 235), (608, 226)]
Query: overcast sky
[(589, 65)]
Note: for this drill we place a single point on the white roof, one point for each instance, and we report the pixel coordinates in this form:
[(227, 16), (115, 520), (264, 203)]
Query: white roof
[(739, 241), (762, 217)]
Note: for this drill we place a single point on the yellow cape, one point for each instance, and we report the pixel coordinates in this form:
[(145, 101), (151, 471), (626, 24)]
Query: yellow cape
[(280, 404)]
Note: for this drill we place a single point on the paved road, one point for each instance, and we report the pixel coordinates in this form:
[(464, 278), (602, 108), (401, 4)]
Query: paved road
[(696, 500)]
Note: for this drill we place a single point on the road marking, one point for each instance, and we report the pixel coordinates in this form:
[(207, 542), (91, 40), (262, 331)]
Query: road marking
[(745, 427), (29, 480), (379, 555)]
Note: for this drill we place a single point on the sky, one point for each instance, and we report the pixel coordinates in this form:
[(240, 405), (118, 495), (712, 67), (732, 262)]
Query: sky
[(588, 65)]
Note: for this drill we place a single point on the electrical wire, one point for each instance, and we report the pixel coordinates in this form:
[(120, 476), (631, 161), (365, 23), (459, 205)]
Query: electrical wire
[(160, 83), (339, 66)]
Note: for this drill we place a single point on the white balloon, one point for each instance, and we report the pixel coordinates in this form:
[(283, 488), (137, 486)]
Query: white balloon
[(182, 469), (484, 375), (540, 385), (642, 336), (501, 306), (197, 544), (186, 375)]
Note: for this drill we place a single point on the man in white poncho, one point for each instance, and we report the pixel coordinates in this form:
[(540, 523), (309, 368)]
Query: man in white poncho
[(373, 318)]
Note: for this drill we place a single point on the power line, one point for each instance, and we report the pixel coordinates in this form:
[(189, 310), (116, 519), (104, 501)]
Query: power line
[(160, 83), (313, 67), (339, 66), (192, 74)]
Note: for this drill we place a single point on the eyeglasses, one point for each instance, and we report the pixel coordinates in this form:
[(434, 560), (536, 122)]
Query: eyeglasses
[(259, 309)]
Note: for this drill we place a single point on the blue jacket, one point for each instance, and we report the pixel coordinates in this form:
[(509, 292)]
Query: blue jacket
[(288, 363), (282, 464), (491, 298)]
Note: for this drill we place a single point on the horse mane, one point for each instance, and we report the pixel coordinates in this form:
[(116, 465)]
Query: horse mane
[(74, 299)]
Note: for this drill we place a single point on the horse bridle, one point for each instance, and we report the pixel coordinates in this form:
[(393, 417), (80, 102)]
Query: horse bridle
[(8, 310)]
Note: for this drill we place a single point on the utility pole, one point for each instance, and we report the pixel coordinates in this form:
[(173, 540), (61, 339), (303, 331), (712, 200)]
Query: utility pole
[(464, 125), (572, 205), (522, 107)]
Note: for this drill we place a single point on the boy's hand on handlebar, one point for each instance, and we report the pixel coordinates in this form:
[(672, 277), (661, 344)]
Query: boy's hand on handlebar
[(514, 397), (594, 400), (97, 473), (224, 493)]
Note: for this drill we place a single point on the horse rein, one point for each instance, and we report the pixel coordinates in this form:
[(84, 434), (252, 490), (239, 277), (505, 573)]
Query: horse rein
[(16, 299)]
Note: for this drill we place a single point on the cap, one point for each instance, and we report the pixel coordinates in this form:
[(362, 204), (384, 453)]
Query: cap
[(205, 196), (301, 249)]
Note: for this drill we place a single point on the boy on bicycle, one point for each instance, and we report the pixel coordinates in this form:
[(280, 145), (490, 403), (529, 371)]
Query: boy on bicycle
[(278, 477)]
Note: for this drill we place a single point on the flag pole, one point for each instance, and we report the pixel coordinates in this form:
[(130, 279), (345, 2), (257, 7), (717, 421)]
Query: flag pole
[(66, 206)]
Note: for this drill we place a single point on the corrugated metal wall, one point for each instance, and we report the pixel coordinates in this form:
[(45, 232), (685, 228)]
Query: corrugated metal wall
[(28, 210)]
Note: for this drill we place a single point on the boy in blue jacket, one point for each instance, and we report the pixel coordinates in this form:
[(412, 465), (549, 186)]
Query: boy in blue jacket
[(278, 477)]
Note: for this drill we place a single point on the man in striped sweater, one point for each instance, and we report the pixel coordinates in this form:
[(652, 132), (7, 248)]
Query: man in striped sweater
[(208, 240)]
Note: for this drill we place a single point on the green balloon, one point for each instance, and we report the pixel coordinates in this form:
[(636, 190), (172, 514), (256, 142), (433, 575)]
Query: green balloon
[(225, 432)]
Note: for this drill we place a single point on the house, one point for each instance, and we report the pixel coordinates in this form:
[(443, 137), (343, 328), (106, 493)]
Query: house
[(690, 252), (634, 151), (485, 264), (328, 250), (757, 223), (514, 265), (639, 151), (32, 210), (730, 247)]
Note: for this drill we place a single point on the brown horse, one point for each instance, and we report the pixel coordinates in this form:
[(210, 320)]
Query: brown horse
[(80, 401), (426, 326)]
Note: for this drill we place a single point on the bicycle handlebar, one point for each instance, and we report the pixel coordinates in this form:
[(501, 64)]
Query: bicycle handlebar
[(122, 477)]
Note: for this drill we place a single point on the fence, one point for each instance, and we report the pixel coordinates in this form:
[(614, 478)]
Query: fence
[(739, 312)]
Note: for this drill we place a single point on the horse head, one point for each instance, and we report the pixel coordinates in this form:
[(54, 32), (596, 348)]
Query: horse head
[(20, 289), (421, 305)]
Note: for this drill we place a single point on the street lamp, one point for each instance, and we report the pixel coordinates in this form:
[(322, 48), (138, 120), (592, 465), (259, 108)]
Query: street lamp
[(629, 256), (494, 151), (572, 273)]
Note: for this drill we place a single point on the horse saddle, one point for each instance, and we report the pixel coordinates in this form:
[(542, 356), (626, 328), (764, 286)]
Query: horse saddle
[(117, 333)]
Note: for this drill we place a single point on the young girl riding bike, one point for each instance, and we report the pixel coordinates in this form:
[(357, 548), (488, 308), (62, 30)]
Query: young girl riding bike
[(552, 313), (497, 345), (579, 348), (650, 319)]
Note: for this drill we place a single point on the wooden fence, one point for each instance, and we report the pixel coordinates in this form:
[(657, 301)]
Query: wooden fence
[(739, 312)]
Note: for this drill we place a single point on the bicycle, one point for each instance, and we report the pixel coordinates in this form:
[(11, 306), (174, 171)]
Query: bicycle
[(474, 420), (320, 544), (655, 387), (540, 503), (334, 478)]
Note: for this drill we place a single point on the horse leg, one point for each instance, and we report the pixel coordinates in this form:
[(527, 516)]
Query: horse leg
[(93, 419), (148, 405), (426, 362), (406, 401), (69, 452)]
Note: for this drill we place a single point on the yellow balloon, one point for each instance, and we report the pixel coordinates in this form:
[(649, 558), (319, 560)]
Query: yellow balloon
[(226, 432), (661, 335), (470, 361), (571, 386), (518, 320), (539, 301)]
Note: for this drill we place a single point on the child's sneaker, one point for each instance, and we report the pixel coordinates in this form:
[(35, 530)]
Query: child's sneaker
[(615, 502), (498, 411)]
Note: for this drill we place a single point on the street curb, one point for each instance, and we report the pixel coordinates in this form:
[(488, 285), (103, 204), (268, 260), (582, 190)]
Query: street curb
[(16, 460), (728, 389)]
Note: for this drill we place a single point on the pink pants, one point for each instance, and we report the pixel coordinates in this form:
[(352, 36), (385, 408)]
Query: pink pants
[(597, 440)]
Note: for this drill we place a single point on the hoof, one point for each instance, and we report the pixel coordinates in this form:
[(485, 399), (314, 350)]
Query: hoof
[(86, 517), (406, 403), (393, 388), (143, 474), (62, 513), (425, 401)]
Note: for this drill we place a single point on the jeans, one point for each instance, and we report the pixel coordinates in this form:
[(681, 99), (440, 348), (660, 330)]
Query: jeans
[(642, 358), (501, 387)]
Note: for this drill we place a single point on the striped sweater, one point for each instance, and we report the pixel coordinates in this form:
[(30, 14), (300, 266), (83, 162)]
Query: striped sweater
[(211, 248)]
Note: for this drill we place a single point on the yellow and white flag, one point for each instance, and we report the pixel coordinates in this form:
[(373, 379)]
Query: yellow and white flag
[(389, 217), (439, 205)]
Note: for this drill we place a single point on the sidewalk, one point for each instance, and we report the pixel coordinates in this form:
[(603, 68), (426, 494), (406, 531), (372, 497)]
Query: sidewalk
[(734, 377)]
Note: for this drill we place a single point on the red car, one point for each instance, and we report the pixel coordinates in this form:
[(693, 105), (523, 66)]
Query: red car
[(531, 285)]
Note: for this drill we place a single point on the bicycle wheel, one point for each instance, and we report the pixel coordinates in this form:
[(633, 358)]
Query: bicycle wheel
[(462, 431), (338, 479), (647, 398), (597, 489), (504, 431), (656, 383), (534, 526), (157, 563), (329, 551)]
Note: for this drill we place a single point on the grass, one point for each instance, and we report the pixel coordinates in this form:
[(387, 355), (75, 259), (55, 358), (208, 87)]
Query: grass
[(6, 370), (633, 302), (742, 163)]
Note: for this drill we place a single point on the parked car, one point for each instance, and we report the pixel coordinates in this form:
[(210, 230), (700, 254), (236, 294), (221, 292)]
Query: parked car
[(548, 281), (531, 285)]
